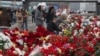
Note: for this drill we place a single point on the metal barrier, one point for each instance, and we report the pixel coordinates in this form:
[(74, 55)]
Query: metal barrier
[(3, 27)]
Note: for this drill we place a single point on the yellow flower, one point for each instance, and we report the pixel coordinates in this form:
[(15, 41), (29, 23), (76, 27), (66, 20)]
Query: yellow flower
[(66, 32)]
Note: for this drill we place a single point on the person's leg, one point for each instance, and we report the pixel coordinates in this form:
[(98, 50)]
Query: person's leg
[(25, 22), (11, 21), (19, 25), (32, 19), (22, 25), (14, 20)]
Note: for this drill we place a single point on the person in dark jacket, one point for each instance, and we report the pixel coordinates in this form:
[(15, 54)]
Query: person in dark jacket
[(51, 26), (50, 14), (25, 17), (33, 15)]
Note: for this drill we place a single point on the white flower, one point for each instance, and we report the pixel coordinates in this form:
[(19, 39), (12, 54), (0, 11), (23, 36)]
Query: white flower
[(36, 51), (72, 24), (20, 41), (98, 23), (20, 52), (64, 12), (1, 55), (81, 30), (75, 32), (46, 45)]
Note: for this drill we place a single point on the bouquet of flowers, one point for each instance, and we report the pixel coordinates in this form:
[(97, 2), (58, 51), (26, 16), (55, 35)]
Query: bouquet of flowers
[(66, 32)]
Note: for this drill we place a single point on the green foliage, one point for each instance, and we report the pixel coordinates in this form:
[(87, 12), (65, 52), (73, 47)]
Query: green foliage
[(97, 53), (67, 32)]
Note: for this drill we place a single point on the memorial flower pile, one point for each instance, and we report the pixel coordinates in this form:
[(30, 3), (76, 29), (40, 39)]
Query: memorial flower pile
[(83, 39)]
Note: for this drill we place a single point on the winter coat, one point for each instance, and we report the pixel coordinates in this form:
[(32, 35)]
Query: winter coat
[(50, 17), (38, 17), (51, 26)]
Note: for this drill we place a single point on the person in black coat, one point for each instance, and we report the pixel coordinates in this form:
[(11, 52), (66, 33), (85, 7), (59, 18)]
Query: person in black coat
[(51, 26), (50, 14)]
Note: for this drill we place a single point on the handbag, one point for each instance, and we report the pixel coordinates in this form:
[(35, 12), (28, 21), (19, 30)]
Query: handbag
[(19, 19)]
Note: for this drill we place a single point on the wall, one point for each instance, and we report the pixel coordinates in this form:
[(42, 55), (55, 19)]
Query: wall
[(74, 6), (91, 7)]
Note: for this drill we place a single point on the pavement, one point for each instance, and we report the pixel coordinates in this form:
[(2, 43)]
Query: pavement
[(31, 26)]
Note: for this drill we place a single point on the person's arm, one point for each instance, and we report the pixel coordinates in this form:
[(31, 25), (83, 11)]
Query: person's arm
[(38, 16), (26, 14), (32, 13)]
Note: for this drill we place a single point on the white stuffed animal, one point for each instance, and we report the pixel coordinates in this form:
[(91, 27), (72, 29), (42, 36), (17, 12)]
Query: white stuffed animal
[(7, 42)]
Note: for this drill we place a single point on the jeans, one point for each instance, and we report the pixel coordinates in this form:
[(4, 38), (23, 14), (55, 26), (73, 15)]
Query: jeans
[(24, 25), (33, 19), (13, 20), (20, 25)]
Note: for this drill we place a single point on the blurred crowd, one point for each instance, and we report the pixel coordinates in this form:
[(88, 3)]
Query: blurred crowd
[(54, 18), (10, 16)]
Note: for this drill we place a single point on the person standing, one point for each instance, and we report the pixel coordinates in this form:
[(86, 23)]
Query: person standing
[(33, 15), (50, 14), (19, 18), (39, 19), (25, 16), (14, 16)]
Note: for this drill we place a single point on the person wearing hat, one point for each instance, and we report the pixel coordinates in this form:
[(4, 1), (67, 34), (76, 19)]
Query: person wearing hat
[(39, 19)]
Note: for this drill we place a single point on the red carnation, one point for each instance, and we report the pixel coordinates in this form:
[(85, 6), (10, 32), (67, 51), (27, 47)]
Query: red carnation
[(89, 49), (16, 29), (11, 53), (94, 41)]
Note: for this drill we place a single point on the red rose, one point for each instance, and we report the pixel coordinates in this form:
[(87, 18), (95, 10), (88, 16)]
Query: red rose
[(89, 49)]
